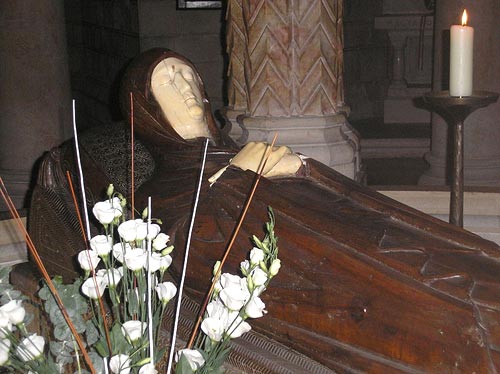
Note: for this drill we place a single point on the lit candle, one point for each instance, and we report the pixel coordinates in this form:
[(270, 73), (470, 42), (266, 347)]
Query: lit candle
[(461, 51)]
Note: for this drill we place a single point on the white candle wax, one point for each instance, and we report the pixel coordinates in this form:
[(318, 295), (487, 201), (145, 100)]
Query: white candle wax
[(461, 51)]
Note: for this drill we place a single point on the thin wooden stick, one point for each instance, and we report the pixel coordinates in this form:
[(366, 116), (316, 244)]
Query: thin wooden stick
[(150, 308), (86, 216), (132, 162), (230, 245), (184, 268), (77, 209), (45, 274)]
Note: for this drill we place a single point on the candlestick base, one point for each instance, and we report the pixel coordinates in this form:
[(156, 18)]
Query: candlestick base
[(454, 110)]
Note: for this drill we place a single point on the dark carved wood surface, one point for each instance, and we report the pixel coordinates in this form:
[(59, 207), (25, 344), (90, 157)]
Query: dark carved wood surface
[(367, 284)]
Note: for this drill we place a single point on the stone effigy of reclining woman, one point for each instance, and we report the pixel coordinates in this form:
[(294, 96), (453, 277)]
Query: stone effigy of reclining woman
[(367, 284)]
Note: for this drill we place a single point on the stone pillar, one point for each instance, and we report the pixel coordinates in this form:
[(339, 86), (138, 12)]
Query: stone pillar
[(35, 101), (482, 128), (285, 76)]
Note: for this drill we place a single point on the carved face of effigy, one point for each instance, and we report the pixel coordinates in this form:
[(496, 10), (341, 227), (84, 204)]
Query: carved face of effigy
[(176, 88)]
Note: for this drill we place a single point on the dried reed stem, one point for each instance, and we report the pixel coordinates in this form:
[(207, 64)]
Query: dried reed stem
[(231, 242), (77, 208), (43, 270)]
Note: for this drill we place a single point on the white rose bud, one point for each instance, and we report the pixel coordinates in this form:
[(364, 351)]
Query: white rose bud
[(134, 329), (120, 364), (193, 357)]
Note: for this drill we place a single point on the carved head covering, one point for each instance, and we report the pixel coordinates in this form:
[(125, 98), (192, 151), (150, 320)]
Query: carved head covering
[(150, 122)]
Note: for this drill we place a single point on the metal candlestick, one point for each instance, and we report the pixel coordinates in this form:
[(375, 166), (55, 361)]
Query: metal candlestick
[(455, 110)]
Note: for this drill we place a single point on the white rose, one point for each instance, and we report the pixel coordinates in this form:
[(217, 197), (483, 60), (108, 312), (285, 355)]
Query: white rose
[(227, 279), (193, 357), (89, 287), (31, 347), (120, 364), (255, 308), (111, 276), (148, 369), (256, 256), (88, 260), (160, 241), (15, 311), (154, 262), (213, 328), (106, 211), (166, 291), (4, 351), (135, 259), (134, 329), (101, 244), (275, 267)]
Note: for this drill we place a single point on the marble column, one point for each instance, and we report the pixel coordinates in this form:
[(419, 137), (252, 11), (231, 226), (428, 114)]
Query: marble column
[(285, 76), (482, 128), (35, 101)]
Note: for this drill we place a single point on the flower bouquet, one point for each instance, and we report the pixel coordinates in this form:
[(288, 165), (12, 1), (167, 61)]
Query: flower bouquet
[(117, 307)]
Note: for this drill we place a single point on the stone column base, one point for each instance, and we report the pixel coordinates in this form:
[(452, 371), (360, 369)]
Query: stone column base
[(328, 139), (17, 183)]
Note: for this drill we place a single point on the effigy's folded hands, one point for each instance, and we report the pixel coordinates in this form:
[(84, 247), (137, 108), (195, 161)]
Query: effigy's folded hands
[(281, 161)]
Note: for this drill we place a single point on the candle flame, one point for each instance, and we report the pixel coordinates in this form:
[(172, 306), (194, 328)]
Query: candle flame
[(464, 18)]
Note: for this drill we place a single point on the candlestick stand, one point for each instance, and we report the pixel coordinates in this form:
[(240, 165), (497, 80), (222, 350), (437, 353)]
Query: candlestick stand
[(454, 111)]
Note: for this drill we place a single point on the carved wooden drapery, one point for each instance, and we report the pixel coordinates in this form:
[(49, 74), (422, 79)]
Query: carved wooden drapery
[(285, 57)]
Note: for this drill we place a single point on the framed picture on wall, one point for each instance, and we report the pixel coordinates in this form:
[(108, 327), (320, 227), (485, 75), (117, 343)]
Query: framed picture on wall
[(199, 4)]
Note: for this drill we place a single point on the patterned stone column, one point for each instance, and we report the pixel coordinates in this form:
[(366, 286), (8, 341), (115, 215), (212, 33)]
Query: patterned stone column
[(35, 101), (285, 76)]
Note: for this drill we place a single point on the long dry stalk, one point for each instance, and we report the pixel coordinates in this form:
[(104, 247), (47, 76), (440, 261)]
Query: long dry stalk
[(231, 242), (38, 261)]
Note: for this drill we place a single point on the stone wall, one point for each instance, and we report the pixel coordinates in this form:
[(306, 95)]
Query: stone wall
[(366, 59), (197, 34), (102, 38)]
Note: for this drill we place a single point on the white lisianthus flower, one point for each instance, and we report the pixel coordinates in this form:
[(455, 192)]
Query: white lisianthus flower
[(111, 276), (101, 244), (255, 308), (237, 327), (166, 291), (128, 230), (106, 211), (135, 259), (227, 279), (15, 311), (193, 357), (90, 290), (5, 325), (118, 250), (120, 364), (165, 262), (148, 369), (4, 351), (259, 277), (30, 347), (154, 230), (213, 328), (134, 329), (160, 241), (234, 296), (88, 259), (154, 262), (256, 256)]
